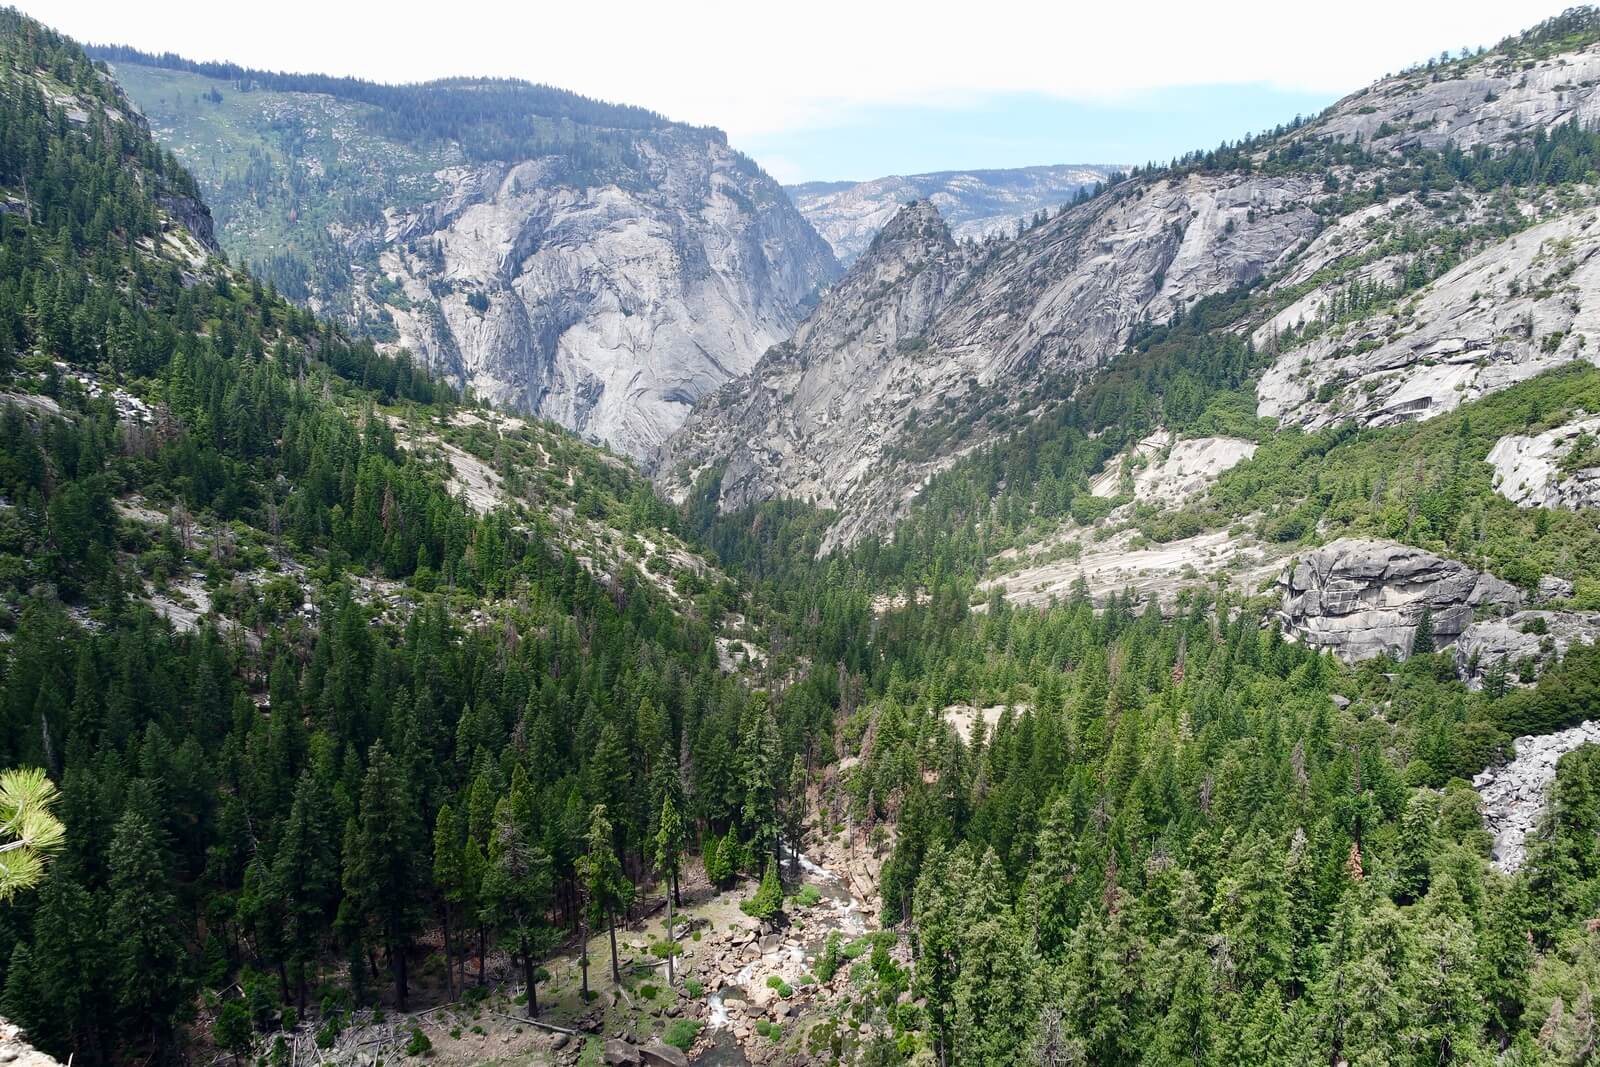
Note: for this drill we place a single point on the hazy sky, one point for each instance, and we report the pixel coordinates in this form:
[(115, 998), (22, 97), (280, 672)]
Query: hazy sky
[(832, 89)]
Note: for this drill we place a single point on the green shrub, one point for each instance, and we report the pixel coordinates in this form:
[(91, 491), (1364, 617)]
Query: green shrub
[(769, 1030), (768, 899), (419, 1045), (681, 1033), (648, 991), (693, 987), (808, 896)]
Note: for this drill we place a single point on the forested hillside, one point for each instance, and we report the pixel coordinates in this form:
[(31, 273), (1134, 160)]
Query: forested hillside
[(390, 725), (309, 672)]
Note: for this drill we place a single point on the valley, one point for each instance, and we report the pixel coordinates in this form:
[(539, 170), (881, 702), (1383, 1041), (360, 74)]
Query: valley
[(513, 586)]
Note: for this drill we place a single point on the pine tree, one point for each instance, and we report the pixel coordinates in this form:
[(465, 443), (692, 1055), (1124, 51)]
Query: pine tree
[(29, 832), (516, 893), (1422, 636), (758, 756), (996, 994), (449, 878), (305, 882), (768, 898), (669, 844), (1414, 849), (382, 872), (604, 885), (147, 961)]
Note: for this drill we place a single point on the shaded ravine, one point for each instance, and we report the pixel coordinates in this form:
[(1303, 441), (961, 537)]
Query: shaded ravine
[(1515, 793)]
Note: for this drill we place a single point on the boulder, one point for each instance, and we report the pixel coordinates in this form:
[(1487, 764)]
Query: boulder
[(1364, 598), (660, 1054), (620, 1053)]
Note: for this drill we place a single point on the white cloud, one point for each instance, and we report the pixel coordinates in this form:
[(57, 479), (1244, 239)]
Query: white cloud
[(755, 69)]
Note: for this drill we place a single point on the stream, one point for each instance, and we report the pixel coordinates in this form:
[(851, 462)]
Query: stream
[(838, 911)]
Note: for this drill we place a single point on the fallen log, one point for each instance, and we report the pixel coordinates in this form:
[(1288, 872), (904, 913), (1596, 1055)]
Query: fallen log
[(541, 1024)]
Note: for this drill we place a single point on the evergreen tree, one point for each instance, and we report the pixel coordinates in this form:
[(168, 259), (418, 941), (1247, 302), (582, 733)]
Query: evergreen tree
[(382, 873), (669, 844), (147, 953), (605, 887), (516, 893)]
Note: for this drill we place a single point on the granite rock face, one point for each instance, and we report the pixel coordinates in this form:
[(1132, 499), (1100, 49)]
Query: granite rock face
[(1536, 470), (1534, 638), (1366, 598), (609, 308), (1511, 311), (1161, 470), (1515, 793), (924, 339)]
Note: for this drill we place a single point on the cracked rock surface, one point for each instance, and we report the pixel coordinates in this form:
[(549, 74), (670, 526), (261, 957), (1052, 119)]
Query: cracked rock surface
[(1364, 598)]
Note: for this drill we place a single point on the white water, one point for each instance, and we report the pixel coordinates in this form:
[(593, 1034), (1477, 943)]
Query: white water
[(718, 1018), (847, 918)]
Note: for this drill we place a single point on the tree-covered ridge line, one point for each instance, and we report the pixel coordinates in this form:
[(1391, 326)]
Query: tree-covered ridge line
[(301, 169), (438, 108)]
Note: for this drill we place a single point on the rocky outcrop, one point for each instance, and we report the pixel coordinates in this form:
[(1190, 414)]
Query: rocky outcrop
[(1513, 310), (591, 264), (1366, 598), (16, 1052), (1515, 793), (1159, 470), (975, 203), (890, 378), (1525, 643), (1490, 100), (1548, 469), (193, 216)]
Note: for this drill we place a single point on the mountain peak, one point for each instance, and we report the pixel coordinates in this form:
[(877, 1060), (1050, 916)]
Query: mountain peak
[(916, 231)]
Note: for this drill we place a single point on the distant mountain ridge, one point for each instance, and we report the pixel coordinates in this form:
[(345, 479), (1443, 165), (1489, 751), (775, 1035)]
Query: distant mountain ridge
[(595, 264), (1422, 244), (974, 203)]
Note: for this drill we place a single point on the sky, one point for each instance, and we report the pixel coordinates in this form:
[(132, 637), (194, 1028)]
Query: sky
[(857, 89)]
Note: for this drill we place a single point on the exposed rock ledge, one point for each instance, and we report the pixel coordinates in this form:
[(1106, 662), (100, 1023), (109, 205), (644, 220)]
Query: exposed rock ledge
[(1365, 598), (1162, 471), (1515, 793), (16, 1052), (1528, 471), (1519, 639)]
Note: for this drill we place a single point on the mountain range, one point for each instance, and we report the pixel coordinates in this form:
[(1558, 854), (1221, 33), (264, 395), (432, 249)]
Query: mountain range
[(975, 204), (481, 581)]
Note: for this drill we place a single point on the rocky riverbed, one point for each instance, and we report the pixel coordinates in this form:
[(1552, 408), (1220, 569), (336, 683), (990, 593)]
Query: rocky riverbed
[(1515, 793)]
